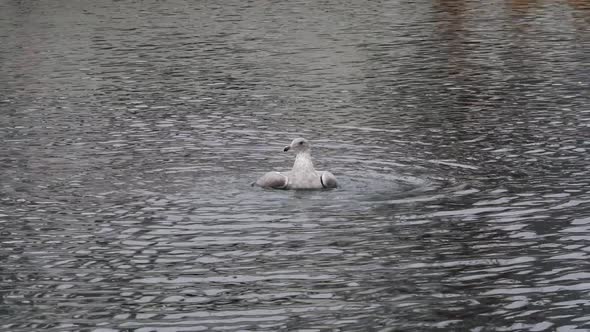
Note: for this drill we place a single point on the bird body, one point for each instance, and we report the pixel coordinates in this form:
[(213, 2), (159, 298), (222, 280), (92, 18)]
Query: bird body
[(303, 175)]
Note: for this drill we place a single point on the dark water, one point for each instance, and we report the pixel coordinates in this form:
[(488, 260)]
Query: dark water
[(131, 130)]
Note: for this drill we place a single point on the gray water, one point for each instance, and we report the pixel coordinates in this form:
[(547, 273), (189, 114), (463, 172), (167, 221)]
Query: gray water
[(131, 131)]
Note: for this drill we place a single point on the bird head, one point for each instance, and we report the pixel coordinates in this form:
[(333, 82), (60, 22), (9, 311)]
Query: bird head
[(298, 145)]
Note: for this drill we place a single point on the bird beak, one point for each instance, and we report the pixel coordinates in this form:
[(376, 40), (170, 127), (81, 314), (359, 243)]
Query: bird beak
[(287, 148)]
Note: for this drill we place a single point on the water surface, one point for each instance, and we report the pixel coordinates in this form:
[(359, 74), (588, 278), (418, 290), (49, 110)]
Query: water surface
[(131, 132)]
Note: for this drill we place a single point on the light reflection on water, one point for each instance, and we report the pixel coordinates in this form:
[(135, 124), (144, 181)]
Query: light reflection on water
[(132, 133)]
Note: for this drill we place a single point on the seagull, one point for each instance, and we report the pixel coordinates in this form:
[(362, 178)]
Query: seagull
[(302, 175)]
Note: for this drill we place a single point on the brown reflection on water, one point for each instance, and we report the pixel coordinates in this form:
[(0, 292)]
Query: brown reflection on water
[(579, 4), (522, 5)]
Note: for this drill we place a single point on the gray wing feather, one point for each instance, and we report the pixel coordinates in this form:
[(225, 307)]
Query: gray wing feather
[(329, 180), (273, 180)]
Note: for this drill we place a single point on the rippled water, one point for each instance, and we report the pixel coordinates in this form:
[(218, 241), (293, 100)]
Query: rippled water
[(131, 132)]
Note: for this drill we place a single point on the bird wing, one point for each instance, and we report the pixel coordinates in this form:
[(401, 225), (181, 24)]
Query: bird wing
[(328, 180), (273, 180)]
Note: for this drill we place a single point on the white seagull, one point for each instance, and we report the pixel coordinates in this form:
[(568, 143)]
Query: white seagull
[(302, 175)]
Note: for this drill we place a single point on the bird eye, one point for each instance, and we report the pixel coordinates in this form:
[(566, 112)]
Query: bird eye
[(301, 143)]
